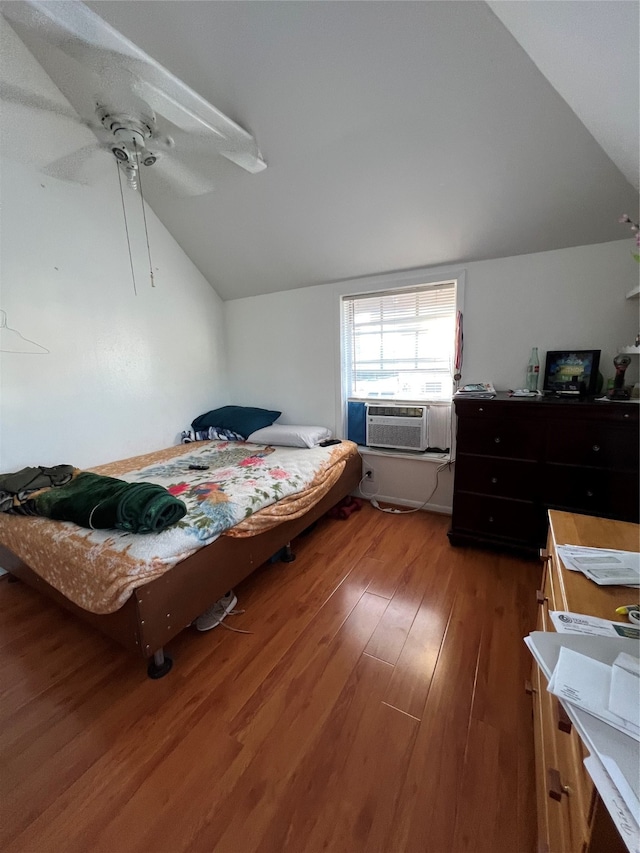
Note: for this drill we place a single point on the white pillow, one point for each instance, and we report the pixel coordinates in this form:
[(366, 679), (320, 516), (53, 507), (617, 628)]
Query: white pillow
[(290, 435)]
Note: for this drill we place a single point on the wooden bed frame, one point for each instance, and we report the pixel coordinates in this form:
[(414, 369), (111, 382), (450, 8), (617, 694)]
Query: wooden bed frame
[(157, 611)]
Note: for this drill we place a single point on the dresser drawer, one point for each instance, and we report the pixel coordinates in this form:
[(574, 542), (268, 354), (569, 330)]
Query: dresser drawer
[(506, 437), (591, 490), (554, 820), (565, 791), (579, 787), (595, 444), (501, 518), (568, 753), (504, 478)]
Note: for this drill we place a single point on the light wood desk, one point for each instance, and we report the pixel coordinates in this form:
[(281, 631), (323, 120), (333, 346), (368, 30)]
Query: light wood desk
[(571, 816)]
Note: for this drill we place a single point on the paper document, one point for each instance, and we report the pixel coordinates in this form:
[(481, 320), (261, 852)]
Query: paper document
[(577, 623), (603, 566), (624, 694), (477, 390), (624, 819), (586, 683)]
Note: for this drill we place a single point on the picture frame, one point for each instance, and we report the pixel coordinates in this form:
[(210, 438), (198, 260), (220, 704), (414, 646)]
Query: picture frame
[(571, 372)]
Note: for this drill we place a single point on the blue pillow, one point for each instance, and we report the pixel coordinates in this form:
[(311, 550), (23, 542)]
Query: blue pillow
[(241, 419)]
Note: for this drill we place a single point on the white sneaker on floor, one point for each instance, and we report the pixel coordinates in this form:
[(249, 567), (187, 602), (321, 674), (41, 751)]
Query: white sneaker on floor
[(217, 612)]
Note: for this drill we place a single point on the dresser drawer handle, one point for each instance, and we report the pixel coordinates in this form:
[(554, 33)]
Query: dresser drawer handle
[(596, 448), (490, 519), (529, 689), (626, 415), (556, 788), (589, 493), (481, 409), (497, 440), (544, 555), (540, 597), (494, 480)]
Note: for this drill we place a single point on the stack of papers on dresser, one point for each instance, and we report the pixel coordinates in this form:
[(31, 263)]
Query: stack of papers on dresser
[(477, 391), (601, 565), (609, 692), (598, 681), (566, 622)]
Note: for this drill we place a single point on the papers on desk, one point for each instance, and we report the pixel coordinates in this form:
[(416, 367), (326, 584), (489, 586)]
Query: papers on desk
[(576, 623), (608, 692), (603, 566), (476, 391), (594, 678)]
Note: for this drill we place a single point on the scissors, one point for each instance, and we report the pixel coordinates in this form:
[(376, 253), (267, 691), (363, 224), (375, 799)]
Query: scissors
[(632, 612)]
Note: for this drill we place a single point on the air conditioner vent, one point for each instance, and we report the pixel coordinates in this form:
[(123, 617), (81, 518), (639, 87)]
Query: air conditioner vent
[(397, 427)]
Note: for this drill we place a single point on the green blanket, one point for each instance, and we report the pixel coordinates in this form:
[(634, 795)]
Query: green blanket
[(99, 502)]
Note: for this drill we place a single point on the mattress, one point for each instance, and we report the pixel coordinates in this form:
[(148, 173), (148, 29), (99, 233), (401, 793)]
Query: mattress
[(245, 489)]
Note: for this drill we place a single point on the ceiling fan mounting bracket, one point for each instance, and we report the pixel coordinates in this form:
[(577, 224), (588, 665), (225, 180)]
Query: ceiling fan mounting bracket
[(128, 129)]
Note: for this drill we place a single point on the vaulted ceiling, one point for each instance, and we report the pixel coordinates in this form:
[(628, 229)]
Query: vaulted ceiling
[(399, 134)]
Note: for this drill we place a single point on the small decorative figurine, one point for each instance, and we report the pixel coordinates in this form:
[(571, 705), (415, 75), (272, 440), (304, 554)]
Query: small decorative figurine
[(619, 392)]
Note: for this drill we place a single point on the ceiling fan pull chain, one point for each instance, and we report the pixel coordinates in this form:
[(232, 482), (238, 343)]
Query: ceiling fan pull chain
[(126, 228), (144, 215)]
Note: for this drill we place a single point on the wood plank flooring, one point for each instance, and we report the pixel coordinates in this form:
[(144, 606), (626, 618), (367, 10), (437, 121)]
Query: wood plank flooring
[(377, 706)]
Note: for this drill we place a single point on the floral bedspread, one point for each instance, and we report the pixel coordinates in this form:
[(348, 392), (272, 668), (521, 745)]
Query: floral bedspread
[(98, 569)]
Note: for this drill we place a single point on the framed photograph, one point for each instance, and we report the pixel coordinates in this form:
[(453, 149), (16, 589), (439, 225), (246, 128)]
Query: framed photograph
[(571, 372)]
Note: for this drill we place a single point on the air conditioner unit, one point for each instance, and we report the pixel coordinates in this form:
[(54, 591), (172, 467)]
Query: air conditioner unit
[(397, 427)]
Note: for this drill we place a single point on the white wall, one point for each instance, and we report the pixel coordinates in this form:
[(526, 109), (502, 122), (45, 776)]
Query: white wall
[(124, 373), (552, 300), (284, 347)]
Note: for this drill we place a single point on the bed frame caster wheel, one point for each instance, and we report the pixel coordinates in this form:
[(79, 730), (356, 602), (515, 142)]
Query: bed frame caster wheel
[(160, 665)]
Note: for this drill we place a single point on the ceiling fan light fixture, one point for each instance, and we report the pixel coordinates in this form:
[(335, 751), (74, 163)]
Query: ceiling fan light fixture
[(131, 174)]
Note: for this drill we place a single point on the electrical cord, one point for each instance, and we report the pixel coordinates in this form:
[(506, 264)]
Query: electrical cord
[(415, 509), (362, 491)]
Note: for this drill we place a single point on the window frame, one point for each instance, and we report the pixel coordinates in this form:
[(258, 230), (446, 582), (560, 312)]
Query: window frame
[(407, 280)]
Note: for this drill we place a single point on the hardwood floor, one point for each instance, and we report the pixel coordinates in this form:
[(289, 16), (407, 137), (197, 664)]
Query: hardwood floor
[(377, 706)]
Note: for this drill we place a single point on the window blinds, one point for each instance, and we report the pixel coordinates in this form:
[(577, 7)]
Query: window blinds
[(399, 344)]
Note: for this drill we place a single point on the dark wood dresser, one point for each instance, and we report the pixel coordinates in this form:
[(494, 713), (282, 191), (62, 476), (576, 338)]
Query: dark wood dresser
[(517, 457)]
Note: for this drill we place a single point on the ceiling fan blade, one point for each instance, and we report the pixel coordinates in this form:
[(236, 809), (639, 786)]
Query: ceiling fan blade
[(72, 166), (190, 112), (202, 145), (17, 95), (167, 106), (81, 34), (169, 175), (74, 29)]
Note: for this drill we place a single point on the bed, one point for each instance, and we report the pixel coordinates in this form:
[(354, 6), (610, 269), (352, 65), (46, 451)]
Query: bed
[(142, 590)]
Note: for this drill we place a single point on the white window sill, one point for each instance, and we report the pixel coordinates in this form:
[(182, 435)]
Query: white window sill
[(400, 401), (426, 456)]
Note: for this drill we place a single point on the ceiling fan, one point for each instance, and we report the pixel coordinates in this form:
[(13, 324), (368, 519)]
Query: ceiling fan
[(139, 111)]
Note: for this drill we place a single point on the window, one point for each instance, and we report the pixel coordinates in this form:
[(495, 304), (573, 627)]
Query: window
[(400, 344)]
